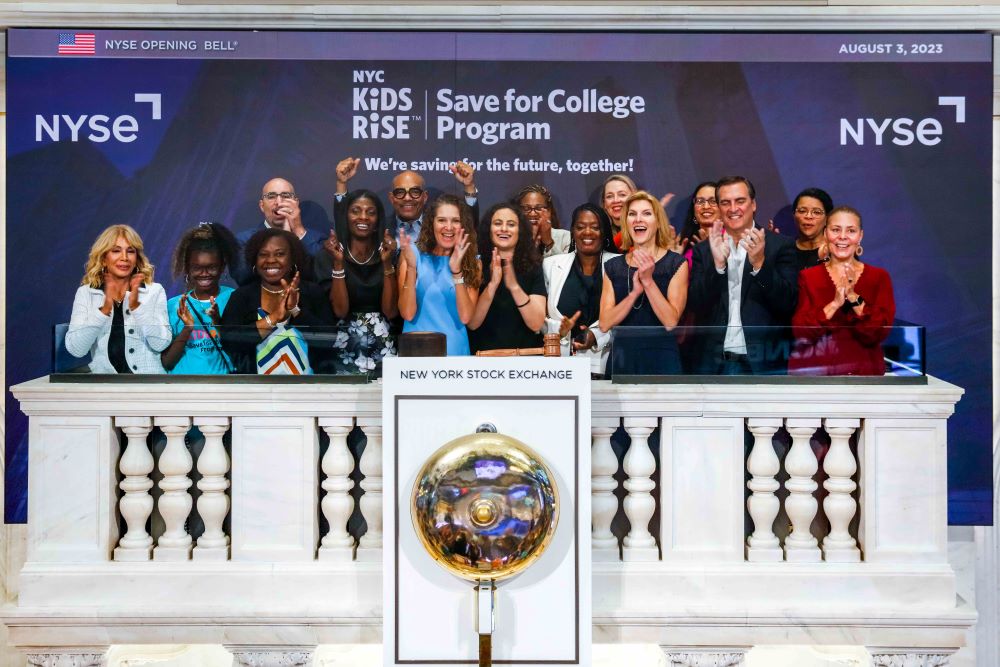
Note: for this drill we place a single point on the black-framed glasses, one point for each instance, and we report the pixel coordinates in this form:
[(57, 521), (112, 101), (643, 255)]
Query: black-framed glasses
[(711, 202), (271, 196), (400, 193), (537, 208)]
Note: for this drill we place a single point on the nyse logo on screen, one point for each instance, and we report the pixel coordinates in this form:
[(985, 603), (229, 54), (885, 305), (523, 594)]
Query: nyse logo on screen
[(380, 110), (98, 128), (900, 131)]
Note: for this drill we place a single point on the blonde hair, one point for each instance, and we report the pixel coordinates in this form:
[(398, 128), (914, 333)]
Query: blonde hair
[(617, 177), (666, 236), (93, 273)]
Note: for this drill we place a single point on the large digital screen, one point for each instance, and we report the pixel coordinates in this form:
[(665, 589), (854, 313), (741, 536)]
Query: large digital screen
[(163, 129)]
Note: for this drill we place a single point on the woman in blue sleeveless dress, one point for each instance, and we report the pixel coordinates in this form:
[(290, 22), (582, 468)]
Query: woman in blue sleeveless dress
[(645, 287), (438, 276)]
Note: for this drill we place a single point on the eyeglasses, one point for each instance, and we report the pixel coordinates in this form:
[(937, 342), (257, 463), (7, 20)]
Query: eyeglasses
[(814, 212), (400, 193), (702, 201), (537, 208), (271, 196)]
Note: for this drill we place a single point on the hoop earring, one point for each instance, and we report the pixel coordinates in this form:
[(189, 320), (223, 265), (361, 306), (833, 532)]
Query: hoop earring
[(860, 251), (296, 267), (253, 269), (187, 278)]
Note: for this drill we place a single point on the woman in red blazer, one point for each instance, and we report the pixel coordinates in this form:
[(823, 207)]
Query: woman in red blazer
[(845, 307)]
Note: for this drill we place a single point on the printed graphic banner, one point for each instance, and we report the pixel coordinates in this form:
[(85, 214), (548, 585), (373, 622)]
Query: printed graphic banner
[(163, 129)]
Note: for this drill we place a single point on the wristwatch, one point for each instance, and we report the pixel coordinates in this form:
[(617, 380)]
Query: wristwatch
[(854, 304), (294, 312)]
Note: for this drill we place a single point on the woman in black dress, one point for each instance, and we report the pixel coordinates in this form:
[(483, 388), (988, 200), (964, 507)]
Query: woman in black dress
[(811, 208), (358, 268), (510, 312), (647, 287)]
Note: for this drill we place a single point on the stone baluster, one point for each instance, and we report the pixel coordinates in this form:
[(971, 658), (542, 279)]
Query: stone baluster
[(136, 505), (604, 504), (763, 505), (370, 545), (639, 503), (337, 504), (801, 506), (175, 502), (840, 507), (213, 504)]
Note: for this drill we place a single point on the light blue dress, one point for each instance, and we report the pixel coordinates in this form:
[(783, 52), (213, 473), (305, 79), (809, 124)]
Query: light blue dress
[(437, 309)]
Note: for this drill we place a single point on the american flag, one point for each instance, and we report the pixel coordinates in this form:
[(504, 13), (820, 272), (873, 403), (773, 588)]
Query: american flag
[(77, 44)]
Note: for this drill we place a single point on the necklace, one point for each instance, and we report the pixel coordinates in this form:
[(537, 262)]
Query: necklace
[(271, 291), (355, 259)]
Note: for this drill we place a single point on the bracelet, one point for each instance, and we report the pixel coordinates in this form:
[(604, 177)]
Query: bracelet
[(267, 318), (342, 273), (456, 273), (458, 281), (390, 271), (526, 302)]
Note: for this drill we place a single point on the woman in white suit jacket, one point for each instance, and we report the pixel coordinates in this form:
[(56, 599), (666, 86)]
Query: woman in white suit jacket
[(574, 281), (119, 313)]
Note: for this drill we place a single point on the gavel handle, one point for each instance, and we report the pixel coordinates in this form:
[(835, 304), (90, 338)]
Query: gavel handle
[(485, 650)]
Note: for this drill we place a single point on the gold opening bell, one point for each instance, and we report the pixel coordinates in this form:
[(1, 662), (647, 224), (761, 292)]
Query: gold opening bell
[(485, 507)]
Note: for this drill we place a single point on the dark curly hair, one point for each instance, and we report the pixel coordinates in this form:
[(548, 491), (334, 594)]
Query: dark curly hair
[(544, 192), (426, 241), (300, 258), (206, 237), (526, 255), (603, 220)]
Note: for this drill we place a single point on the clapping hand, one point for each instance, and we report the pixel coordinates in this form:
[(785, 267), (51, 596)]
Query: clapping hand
[(134, 283), (496, 271), (644, 264), (213, 310), (754, 241), (718, 245), (335, 250), (541, 233), (387, 250), (290, 301), (183, 313), (407, 249), (458, 251)]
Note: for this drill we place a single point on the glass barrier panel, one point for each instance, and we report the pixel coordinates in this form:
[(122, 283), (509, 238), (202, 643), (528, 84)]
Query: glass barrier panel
[(847, 351)]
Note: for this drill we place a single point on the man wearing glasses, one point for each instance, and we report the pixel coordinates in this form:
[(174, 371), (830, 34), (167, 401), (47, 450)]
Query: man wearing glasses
[(280, 206), (408, 194)]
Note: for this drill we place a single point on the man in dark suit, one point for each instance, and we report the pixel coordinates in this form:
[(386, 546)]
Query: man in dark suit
[(279, 205), (744, 281)]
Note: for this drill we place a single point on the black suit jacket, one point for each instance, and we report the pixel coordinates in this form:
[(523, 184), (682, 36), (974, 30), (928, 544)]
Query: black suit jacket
[(766, 300)]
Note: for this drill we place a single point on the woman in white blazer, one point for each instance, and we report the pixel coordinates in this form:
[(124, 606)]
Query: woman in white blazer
[(119, 313), (574, 282)]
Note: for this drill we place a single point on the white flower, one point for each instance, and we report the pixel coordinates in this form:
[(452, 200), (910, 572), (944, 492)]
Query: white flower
[(364, 363), (381, 329), (341, 339)]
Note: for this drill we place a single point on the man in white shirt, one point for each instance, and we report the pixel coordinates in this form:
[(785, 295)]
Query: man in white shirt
[(408, 194), (743, 278)]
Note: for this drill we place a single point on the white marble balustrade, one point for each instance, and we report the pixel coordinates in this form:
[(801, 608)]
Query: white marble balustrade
[(712, 549)]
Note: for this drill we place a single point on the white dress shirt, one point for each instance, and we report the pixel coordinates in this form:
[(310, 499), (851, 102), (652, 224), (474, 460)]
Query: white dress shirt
[(735, 340)]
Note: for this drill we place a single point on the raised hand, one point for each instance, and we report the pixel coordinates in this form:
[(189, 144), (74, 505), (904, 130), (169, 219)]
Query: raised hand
[(346, 169), (184, 313), (335, 249), (407, 249), (543, 231), (458, 252), (387, 251), (509, 275), (292, 292), (464, 173), (665, 199), (772, 228), (134, 283), (567, 324), (754, 241), (680, 245), (719, 246), (496, 270)]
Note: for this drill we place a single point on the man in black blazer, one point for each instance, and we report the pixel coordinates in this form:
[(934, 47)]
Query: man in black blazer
[(743, 278)]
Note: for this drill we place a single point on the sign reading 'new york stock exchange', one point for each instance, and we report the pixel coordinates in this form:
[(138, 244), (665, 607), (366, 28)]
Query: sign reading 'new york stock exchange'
[(162, 129)]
